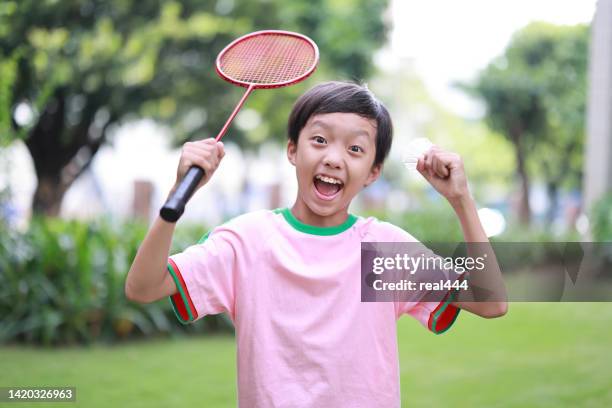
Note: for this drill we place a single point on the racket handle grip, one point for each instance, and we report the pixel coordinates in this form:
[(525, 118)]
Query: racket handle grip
[(175, 205)]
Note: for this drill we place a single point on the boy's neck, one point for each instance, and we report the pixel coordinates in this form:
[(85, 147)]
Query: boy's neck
[(307, 216)]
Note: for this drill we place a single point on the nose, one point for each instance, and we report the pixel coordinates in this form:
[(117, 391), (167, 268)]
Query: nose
[(333, 158)]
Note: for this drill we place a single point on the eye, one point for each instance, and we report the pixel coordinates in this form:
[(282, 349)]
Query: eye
[(356, 149), (319, 139)]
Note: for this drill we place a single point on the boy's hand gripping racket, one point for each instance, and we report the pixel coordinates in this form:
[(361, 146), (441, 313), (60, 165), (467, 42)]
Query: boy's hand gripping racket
[(263, 59)]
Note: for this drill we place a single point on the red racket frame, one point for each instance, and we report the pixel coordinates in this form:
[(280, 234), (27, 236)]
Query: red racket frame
[(251, 86)]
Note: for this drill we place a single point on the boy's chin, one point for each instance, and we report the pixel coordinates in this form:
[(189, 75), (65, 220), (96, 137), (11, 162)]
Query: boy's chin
[(325, 209)]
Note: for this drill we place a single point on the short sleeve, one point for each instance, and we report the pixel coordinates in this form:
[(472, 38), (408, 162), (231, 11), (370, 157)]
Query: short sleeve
[(437, 316), (204, 275)]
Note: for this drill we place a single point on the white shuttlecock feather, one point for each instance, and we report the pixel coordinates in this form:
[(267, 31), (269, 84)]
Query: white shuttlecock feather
[(415, 149)]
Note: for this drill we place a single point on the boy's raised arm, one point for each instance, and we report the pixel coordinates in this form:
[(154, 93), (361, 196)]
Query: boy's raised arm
[(478, 246), (148, 279), (444, 171)]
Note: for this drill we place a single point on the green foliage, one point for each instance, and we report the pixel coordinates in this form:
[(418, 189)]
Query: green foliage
[(520, 233), (601, 219), (436, 223), (8, 73), (84, 67), (535, 95), (557, 58), (416, 112), (530, 245), (63, 282)]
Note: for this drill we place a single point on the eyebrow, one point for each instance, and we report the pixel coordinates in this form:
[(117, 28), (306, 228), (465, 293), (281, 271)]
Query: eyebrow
[(327, 127)]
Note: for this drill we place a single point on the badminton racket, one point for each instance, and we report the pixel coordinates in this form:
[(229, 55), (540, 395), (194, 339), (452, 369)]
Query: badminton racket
[(259, 60)]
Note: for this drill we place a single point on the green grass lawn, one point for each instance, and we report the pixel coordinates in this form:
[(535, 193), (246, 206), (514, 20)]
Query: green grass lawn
[(539, 355)]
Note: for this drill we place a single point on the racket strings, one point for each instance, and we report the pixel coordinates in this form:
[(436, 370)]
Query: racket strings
[(268, 59), (265, 62)]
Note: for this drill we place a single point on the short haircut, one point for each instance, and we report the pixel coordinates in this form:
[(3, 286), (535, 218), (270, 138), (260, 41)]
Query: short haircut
[(343, 97)]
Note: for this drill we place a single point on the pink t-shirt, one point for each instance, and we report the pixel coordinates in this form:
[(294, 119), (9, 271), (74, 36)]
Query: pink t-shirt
[(304, 338)]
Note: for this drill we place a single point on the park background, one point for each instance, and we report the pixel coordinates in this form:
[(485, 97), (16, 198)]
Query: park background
[(96, 98)]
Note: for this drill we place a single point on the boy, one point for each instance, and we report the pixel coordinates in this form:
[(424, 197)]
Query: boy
[(290, 278)]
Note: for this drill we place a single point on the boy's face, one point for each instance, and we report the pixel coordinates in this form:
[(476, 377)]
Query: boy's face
[(334, 160)]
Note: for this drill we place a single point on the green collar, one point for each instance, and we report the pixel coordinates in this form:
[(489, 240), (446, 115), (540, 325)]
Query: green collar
[(314, 230)]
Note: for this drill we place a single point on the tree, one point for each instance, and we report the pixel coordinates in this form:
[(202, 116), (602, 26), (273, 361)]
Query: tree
[(417, 114), (558, 158), (76, 69), (535, 94)]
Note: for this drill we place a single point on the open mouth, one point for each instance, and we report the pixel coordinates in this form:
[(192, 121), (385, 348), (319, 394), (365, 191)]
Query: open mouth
[(327, 186)]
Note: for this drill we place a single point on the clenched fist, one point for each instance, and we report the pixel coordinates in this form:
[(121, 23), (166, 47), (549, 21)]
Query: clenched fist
[(206, 154), (444, 171)]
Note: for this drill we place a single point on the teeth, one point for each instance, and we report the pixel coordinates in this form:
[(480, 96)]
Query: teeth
[(328, 179)]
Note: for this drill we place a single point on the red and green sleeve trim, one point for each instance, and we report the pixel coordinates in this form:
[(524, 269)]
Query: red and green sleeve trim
[(181, 302), (443, 317)]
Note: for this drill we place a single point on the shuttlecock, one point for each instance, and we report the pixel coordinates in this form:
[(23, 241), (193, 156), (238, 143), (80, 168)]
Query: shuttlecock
[(414, 150)]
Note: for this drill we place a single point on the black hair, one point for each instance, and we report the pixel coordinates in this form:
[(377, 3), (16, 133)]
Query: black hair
[(343, 97)]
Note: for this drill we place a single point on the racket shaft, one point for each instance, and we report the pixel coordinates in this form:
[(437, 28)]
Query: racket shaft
[(234, 113), (175, 205)]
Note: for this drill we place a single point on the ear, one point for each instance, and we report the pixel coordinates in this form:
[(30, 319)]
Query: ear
[(374, 174), (291, 151)]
